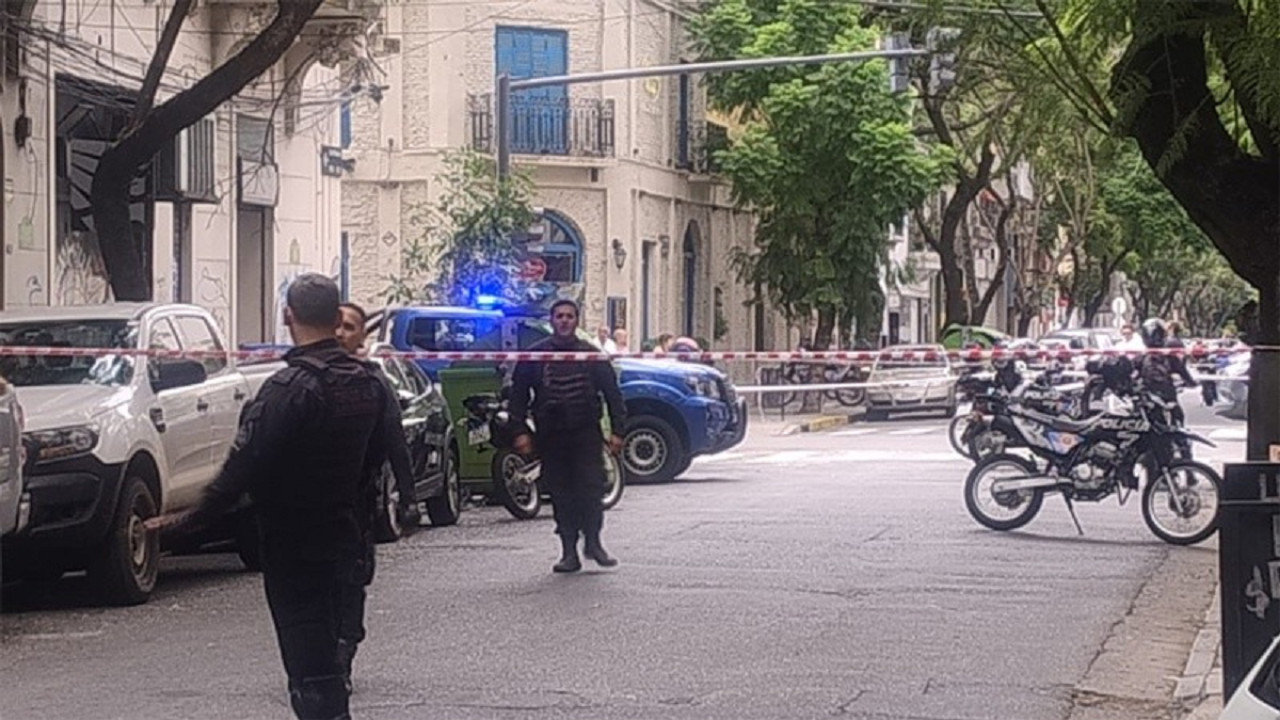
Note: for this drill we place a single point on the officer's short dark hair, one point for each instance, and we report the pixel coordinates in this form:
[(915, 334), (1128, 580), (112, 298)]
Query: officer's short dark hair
[(364, 317), (313, 300), (565, 303)]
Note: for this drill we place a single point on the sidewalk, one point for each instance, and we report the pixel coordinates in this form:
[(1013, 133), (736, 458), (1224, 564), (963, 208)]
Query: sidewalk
[(1198, 694)]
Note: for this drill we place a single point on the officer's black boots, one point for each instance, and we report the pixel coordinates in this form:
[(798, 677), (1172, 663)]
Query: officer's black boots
[(569, 561), (320, 698), (594, 550)]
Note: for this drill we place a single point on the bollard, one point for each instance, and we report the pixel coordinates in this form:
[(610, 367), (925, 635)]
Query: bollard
[(1249, 566)]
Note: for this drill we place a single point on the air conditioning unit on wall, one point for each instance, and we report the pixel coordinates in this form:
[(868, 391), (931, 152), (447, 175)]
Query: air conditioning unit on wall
[(185, 170)]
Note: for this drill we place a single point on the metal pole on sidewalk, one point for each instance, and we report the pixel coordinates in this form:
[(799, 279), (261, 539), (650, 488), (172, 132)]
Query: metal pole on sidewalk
[(502, 125)]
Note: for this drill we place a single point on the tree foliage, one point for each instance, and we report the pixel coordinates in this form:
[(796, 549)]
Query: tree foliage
[(824, 154), (465, 248)]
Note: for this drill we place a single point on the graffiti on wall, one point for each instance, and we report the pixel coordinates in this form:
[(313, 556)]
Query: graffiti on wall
[(82, 276)]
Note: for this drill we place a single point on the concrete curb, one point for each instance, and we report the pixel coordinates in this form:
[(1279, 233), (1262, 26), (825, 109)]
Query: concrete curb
[(822, 422), (1199, 691)]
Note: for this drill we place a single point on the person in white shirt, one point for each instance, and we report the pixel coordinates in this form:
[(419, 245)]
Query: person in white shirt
[(605, 342), (1131, 340)]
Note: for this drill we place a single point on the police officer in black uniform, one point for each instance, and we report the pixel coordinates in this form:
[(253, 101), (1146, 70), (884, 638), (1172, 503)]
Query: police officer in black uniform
[(308, 444), (351, 336), (1157, 370), (566, 406)]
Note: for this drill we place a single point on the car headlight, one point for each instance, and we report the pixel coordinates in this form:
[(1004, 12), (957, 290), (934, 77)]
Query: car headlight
[(704, 387), (62, 443)]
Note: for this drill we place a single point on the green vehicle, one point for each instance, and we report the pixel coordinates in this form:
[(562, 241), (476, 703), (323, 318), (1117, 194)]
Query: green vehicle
[(957, 337), (473, 393)]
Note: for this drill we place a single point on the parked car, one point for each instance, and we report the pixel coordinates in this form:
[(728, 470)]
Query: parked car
[(114, 439), (15, 501), (1258, 696), (1084, 338), (927, 385), (1233, 386), (676, 410), (432, 449)]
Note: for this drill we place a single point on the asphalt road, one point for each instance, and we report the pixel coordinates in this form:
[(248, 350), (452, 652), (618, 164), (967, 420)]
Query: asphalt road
[(833, 574)]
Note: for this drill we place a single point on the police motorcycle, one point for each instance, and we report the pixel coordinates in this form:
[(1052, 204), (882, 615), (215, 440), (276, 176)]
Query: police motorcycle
[(1088, 460), (516, 476), (988, 429)]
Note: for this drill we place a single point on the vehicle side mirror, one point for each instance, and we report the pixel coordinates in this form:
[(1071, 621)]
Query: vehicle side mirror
[(170, 374)]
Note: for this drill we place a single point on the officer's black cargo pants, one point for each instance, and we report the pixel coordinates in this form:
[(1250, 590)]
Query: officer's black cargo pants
[(305, 596), (573, 472)]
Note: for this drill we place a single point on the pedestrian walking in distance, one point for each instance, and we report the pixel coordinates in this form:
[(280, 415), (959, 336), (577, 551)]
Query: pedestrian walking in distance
[(351, 336), (566, 401), (307, 445)]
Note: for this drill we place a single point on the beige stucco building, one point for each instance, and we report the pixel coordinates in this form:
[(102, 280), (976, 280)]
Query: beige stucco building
[(633, 210), (243, 202)]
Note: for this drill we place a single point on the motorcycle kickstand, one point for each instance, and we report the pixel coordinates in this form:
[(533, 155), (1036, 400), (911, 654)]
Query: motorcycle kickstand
[(1071, 508)]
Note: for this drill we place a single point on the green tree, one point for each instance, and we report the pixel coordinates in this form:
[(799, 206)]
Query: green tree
[(465, 248), (825, 155), (1196, 84)]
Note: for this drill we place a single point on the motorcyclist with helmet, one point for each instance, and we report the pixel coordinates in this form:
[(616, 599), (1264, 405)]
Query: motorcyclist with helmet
[(1157, 370)]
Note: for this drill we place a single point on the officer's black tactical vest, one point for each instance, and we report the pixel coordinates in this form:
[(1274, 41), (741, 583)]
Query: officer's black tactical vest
[(327, 469), (567, 398)]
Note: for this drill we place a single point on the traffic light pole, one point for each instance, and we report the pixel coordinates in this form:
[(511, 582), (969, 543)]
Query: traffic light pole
[(505, 85)]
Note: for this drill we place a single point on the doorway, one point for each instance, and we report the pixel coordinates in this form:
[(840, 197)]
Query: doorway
[(255, 254)]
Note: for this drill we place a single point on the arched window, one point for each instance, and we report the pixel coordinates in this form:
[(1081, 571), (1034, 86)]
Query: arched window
[(557, 249)]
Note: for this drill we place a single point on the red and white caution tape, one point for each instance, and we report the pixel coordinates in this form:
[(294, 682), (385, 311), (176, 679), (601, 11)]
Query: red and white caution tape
[(863, 356)]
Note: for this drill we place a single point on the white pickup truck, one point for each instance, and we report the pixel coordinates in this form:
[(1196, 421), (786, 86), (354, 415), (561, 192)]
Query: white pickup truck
[(113, 439)]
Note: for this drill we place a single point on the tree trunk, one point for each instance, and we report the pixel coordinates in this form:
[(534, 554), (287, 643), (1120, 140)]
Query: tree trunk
[(825, 328), (1264, 376), (1024, 323), (113, 225)]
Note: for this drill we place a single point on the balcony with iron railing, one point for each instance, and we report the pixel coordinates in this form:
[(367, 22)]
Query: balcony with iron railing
[(564, 127), (696, 145)]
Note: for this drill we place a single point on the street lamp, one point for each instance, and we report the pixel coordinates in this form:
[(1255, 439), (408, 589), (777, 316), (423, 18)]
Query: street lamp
[(619, 254)]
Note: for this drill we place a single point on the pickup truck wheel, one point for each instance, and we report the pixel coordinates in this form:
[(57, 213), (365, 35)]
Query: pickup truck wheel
[(445, 508), (386, 524), (652, 450), (125, 568)]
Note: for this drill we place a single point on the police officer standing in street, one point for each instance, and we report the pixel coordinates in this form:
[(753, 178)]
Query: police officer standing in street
[(566, 407), (308, 443), (351, 336)]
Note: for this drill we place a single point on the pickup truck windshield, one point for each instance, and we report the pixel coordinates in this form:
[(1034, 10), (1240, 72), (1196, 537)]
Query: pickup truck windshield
[(68, 370)]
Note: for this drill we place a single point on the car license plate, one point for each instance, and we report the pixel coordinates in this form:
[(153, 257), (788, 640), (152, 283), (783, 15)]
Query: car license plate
[(478, 435)]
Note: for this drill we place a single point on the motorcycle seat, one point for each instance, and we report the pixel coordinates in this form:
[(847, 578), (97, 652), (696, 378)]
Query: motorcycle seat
[(1064, 424)]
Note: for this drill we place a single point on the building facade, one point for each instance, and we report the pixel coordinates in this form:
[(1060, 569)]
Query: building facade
[(242, 202), (633, 215)]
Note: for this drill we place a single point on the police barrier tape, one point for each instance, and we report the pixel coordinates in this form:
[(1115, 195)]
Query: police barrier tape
[(975, 355)]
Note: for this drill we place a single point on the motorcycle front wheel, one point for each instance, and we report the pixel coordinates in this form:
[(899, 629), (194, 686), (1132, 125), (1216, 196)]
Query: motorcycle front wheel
[(1180, 505), (955, 433), (615, 479), (522, 500), (1002, 510)]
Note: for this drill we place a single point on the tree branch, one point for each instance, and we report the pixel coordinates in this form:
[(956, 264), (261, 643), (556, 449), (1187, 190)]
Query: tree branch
[(187, 107), (159, 61), (1229, 32)]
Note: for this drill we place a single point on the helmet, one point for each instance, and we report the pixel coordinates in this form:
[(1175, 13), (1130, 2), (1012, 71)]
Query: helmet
[(1154, 332)]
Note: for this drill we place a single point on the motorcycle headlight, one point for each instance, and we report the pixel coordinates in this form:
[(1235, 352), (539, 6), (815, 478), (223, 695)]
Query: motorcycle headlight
[(62, 443), (704, 387)]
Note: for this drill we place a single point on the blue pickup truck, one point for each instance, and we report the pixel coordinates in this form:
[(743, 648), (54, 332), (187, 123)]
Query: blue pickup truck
[(676, 410)]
